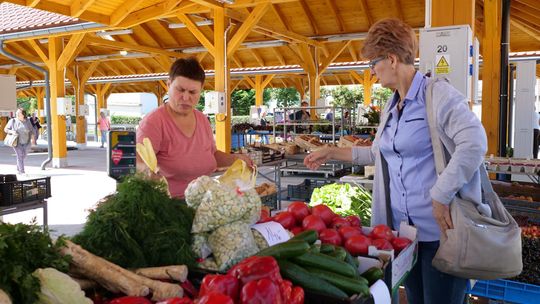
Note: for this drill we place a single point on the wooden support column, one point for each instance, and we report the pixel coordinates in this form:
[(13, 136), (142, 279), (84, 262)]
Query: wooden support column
[(58, 122), (491, 73), (367, 80), (84, 75), (452, 12), (101, 99), (3, 123), (313, 76), (260, 84), (223, 121), (40, 97)]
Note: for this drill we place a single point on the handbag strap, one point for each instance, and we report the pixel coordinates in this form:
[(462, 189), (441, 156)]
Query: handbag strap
[(438, 150)]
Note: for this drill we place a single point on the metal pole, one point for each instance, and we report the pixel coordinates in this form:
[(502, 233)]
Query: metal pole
[(503, 98)]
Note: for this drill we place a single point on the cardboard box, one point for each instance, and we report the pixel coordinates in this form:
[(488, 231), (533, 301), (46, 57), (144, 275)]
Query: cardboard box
[(396, 268)]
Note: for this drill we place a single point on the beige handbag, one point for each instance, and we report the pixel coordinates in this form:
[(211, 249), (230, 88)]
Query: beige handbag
[(480, 246), (11, 140)]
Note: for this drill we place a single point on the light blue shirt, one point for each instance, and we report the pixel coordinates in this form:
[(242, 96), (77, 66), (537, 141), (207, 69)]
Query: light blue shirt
[(406, 145)]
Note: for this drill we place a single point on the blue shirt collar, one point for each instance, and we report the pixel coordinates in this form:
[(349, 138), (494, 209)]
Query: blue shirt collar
[(412, 94)]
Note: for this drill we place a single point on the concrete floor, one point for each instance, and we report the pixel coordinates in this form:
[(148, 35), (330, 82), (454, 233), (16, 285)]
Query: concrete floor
[(76, 188)]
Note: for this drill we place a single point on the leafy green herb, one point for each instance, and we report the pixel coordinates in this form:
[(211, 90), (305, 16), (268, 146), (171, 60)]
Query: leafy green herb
[(23, 249), (140, 226), (344, 199)]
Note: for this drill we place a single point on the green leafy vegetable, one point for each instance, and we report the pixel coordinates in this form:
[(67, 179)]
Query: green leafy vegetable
[(344, 199), (140, 226), (23, 249), (59, 288)]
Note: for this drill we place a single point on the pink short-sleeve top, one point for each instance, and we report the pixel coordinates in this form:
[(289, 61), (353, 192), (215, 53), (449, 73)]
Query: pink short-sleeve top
[(180, 159)]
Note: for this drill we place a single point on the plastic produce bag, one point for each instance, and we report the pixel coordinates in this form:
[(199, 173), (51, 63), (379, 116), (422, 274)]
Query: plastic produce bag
[(239, 176), (231, 244), (259, 239), (200, 245), (196, 190)]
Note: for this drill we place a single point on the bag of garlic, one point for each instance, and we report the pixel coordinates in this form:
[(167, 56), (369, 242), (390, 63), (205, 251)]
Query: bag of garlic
[(232, 243)]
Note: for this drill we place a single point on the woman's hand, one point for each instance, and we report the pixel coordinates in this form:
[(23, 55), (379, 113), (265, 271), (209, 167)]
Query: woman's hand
[(315, 159), (441, 213), (246, 159)]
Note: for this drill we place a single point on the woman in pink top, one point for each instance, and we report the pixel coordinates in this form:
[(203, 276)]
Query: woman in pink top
[(181, 136), (104, 126)]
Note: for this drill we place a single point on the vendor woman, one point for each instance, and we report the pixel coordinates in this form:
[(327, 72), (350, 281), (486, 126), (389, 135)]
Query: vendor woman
[(181, 135)]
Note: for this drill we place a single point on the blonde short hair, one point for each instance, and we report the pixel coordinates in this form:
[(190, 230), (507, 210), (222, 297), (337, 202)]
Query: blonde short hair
[(391, 36)]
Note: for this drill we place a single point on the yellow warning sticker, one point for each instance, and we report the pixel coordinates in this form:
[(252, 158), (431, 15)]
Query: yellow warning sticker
[(443, 64)]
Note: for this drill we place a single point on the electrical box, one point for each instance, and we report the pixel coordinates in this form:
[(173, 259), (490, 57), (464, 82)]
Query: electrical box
[(8, 100), (121, 154), (84, 110), (214, 103), (64, 106), (447, 52)]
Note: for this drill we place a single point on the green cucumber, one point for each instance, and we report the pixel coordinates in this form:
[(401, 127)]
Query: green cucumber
[(339, 253), (350, 286), (351, 260), (316, 248), (299, 276), (309, 236), (373, 274), (325, 262), (327, 248), (285, 250)]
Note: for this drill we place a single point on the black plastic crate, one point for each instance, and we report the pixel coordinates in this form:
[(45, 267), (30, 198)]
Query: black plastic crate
[(270, 201), (16, 192), (304, 190)]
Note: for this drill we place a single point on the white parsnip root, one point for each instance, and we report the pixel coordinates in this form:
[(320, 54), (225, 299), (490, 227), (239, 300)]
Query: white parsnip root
[(174, 272), (116, 278)]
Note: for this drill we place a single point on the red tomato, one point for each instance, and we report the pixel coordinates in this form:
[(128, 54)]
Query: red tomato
[(324, 212), (296, 230), (358, 245), (347, 232), (354, 220), (299, 210), (338, 222), (382, 232), (330, 236), (215, 298), (400, 243), (286, 219), (313, 222), (382, 244)]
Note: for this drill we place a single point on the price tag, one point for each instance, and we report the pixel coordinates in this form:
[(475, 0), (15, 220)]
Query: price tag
[(272, 232)]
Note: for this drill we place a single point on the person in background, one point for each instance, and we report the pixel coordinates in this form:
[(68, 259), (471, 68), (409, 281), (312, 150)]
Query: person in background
[(20, 125), (302, 114), (34, 120), (329, 115), (416, 194), (181, 135), (104, 127)]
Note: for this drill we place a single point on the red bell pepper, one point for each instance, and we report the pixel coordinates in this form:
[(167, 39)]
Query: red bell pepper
[(256, 268), (297, 295), (130, 300), (176, 301), (285, 288), (190, 290), (220, 283), (263, 291), (215, 298)]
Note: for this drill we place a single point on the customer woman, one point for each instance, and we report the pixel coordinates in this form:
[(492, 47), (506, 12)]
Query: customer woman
[(417, 195), (181, 135), (23, 128), (104, 127)]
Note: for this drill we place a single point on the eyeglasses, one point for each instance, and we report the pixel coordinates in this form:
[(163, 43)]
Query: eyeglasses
[(374, 62)]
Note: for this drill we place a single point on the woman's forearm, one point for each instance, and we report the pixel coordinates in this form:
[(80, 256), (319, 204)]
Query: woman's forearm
[(344, 154)]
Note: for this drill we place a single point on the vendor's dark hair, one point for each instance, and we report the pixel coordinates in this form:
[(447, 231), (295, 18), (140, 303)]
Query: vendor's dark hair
[(187, 67)]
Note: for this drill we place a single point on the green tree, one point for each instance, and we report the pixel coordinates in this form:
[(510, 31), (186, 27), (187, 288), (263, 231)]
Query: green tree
[(380, 96), (285, 97), (345, 97), (29, 104)]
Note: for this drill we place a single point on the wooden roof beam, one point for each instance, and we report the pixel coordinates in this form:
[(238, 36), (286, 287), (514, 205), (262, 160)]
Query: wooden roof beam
[(41, 51), (158, 10), (194, 29), (209, 3), (352, 51), (89, 71), (310, 16), (271, 30), (72, 49), (357, 77), (257, 57), (396, 4), (307, 57), (524, 28), (169, 32), (237, 61), (250, 81), (79, 6), (246, 27), (525, 13), (148, 35), (32, 3), (126, 66), (337, 15), (328, 60), (122, 46), (365, 9), (142, 63), (126, 8), (280, 17), (530, 3), (279, 56), (338, 80)]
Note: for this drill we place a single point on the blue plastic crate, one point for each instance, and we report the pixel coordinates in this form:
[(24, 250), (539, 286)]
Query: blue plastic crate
[(505, 290), (238, 140)]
